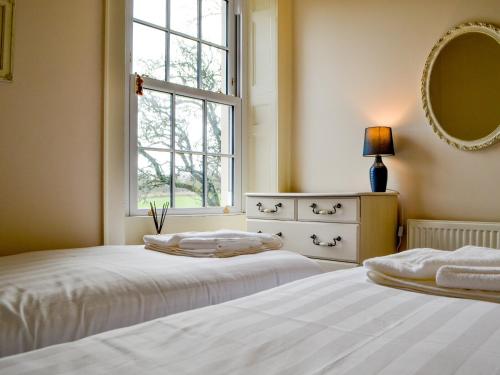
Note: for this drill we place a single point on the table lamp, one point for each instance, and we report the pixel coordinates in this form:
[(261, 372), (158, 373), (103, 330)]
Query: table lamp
[(378, 143)]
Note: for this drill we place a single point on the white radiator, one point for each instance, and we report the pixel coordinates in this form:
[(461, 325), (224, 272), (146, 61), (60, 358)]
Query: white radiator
[(451, 235)]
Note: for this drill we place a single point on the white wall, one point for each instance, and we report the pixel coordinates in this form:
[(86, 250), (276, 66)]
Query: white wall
[(50, 128), (358, 64)]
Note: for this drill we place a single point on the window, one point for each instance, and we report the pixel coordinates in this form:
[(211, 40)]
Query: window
[(185, 130)]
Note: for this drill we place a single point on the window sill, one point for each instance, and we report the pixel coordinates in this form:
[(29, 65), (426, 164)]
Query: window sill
[(191, 215), (137, 226)]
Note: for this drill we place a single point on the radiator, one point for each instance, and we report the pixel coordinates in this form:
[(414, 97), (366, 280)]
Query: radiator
[(451, 235)]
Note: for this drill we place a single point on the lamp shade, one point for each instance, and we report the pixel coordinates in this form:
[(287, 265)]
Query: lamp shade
[(378, 141)]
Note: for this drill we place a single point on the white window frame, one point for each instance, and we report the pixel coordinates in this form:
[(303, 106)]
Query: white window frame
[(233, 98)]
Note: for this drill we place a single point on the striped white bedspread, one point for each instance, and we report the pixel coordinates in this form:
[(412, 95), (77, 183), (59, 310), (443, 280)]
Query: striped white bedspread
[(57, 296), (334, 323)]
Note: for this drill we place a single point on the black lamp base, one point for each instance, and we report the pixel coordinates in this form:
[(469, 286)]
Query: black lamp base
[(378, 175)]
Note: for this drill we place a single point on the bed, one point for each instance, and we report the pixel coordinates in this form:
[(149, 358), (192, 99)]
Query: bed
[(56, 296), (336, 322)]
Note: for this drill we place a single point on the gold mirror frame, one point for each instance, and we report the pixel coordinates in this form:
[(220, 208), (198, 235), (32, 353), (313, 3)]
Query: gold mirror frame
[(6, 38), (481, 27)]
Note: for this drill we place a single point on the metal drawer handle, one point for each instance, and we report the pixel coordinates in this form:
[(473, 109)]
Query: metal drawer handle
[(269, 210), (279, 234), (317, 211), (317, 242)]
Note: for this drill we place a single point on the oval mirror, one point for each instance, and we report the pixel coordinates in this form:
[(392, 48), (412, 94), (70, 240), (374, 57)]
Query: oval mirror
[(461, 86)]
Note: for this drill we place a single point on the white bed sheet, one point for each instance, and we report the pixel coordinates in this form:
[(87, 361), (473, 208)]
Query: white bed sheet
[(334, 323), (57, 296)]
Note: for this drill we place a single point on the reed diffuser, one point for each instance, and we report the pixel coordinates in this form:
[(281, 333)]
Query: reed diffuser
[(161, 220)]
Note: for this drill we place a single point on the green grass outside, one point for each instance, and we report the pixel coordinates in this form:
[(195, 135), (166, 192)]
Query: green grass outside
[(182, 201)]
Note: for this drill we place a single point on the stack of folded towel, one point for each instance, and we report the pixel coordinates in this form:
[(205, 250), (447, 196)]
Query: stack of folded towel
[(220, 244), (470, 267)]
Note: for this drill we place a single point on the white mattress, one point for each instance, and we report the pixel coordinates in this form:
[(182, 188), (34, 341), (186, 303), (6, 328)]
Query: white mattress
[(334, 323), (57, 296)]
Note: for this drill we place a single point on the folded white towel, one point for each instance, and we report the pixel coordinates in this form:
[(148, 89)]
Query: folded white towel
[(208, 253), (412, 264), (424, 263), (186, 252), (239, 244), (430, 287), (167, 240), (221, 244), (213, 244), (477, 278), (197, 243)]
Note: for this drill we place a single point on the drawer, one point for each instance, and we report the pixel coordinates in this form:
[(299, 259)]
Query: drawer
[(271, 208), (297, 237), (329, 209)]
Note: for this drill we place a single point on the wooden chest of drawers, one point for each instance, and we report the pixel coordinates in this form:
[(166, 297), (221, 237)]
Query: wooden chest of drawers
[(340, 230)]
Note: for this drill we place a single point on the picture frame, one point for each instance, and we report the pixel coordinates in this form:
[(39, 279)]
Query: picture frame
[(6, 39)]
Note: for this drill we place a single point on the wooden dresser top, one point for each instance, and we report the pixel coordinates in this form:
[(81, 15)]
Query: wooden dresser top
[(305, 195)]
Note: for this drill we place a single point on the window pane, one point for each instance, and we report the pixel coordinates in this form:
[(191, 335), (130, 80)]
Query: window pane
[(219, 128), (188, 124), (183, 61), (152, 11), (153, 178), (149, 51), (214, 21), (184, 16), (219, 181), (213, 70), (188, 181), (153, 119)]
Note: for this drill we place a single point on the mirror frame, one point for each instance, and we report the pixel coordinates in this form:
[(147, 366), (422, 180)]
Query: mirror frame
[(7, 39), (481, 27)]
